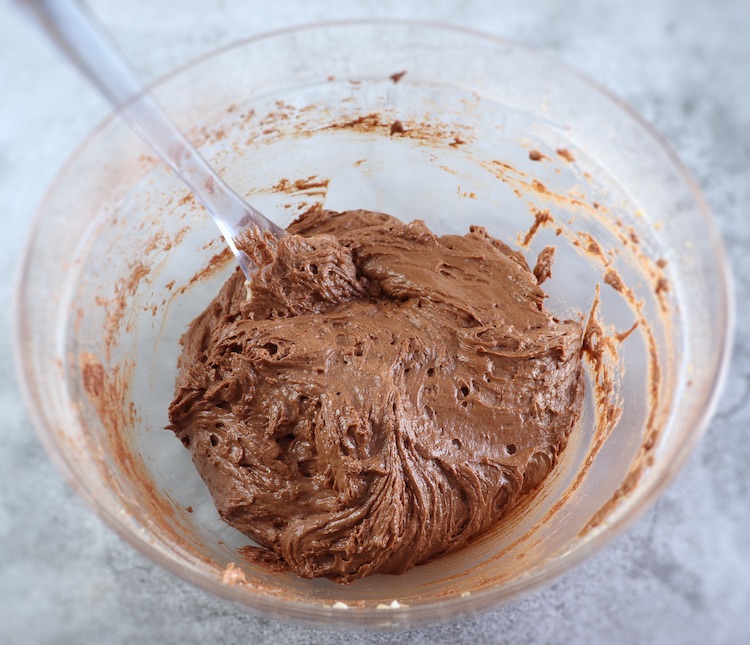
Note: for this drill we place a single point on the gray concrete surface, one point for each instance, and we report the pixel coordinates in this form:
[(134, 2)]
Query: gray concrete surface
[(680, 575)]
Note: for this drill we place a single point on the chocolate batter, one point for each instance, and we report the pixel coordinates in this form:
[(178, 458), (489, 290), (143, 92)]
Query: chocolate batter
[(378, 395)]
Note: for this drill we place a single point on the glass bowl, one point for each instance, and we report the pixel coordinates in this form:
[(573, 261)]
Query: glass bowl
[(477, 130)]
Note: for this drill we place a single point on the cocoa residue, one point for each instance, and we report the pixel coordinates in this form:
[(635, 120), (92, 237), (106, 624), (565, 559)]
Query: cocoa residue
[(429, 132), (592, 246), (93, 376), (218, 261), (365, 123), (662, 286), (613, 279), (108, 391), (186, 199), (543, 267), (622, 336), (312, 185), (541, 218), (397, 76), (116, 307)]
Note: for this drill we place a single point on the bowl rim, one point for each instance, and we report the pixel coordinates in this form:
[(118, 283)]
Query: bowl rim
[(451, 608)]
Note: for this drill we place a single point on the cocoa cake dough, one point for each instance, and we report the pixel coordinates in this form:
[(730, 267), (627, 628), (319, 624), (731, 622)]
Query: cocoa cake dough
[(377, 395)]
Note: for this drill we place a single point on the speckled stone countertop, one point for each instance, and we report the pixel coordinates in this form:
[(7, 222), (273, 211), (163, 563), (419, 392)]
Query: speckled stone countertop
[(681, 574)]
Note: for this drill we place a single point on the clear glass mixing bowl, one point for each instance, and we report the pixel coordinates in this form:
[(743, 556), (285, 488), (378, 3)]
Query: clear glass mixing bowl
[(120, 260)]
